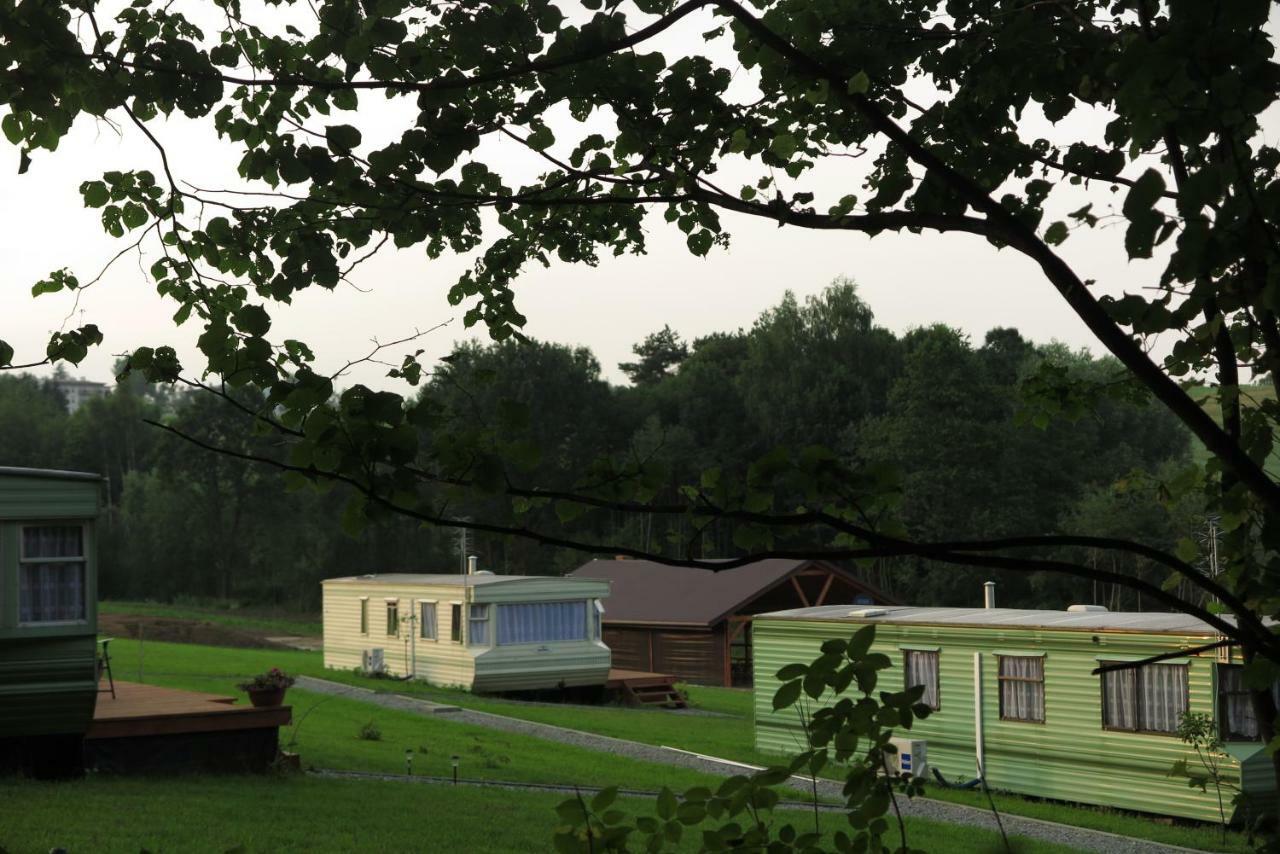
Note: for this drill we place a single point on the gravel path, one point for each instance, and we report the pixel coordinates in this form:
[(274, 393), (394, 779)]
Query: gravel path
[(1080, 839)]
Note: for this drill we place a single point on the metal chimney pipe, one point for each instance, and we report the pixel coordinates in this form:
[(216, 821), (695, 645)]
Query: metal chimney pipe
[(989, 594), (472, 560)]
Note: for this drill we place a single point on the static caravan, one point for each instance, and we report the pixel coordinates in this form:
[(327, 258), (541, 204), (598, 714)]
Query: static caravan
[(48, 613), (1013, 690), (478, 631)]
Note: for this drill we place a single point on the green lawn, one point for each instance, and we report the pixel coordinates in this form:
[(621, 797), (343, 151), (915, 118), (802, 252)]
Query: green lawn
[(248, 619), (727, 734), (1250, 396), (276, 815)]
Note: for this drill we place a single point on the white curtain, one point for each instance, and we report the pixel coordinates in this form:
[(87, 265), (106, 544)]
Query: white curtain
[(427, 621), (1022, 688), (1120, 706), (478, 625), (1164, 696), (52, 541), (922, 669), (542, 622), (51, 592)]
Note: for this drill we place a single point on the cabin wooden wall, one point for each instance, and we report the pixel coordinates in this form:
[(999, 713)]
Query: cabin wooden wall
[(691, 656)]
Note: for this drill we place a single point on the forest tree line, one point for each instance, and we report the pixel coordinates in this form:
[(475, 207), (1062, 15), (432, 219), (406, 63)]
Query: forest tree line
[(946, 415)]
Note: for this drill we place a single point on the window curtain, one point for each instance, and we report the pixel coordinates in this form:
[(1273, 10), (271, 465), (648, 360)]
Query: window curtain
[(428, 620), (1022, 700), (922, 669), (1237, 705), (478, 625), (51, 592), (1164, 696), (53, 541), (1120, 704), (542, 622)]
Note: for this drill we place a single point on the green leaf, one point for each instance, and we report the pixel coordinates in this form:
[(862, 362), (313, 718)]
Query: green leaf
[(1056, 233), (859, 83), (1143, 194), (792, 671), (252, 320), (784, 145), (604, 799), (6, 354), (786, 695), (95, 194), (342, 139)]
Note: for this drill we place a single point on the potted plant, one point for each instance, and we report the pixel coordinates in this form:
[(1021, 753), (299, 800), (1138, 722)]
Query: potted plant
[(267, 689)]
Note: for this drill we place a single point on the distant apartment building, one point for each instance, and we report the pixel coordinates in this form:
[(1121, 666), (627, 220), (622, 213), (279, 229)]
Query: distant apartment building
[(77, 392)]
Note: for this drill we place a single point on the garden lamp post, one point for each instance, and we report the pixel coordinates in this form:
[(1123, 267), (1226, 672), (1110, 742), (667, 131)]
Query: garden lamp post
[(453, 760), (408, 761)]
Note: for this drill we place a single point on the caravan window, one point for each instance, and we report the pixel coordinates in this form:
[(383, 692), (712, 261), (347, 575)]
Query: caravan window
[(478, 625), (393, 618), (1235, 704), (1022, 688), (542, 622), (455, 622), (51, 575), (922, 669), (364, 615), (1144, 699), (427, 620)]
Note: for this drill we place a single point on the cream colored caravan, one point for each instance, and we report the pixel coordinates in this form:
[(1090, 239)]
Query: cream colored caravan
[(479, 631)]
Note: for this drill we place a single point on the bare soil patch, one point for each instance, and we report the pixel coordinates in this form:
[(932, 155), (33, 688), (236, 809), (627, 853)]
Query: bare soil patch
[(177, 630)]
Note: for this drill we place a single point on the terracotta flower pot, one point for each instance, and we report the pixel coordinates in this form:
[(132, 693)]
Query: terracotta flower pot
[(266, 696)]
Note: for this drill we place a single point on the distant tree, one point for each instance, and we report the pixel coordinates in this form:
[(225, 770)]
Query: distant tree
[(657, 355), (813, 370)]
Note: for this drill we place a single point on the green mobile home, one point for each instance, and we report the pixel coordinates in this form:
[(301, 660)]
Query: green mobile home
[(1013, 692), (48, 606), (474, 630)]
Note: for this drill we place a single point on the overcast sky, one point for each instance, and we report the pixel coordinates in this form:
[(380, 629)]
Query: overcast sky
[(909, 280)]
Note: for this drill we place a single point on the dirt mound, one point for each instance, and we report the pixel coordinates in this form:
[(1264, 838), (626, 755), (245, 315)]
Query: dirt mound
[(176, 630)]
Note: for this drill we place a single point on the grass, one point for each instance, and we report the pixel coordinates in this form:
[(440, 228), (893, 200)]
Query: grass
[(1250, 396), (269, 814), (728, 734), (248, 619)]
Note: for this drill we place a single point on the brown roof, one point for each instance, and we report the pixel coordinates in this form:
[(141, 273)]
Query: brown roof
[(644, 591)]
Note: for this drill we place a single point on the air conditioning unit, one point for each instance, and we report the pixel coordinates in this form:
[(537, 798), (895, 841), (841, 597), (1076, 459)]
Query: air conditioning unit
[(372, 662), (911, 759)]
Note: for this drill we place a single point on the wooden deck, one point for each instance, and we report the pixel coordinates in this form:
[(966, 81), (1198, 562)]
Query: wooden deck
[(141, 710), (641, 688)]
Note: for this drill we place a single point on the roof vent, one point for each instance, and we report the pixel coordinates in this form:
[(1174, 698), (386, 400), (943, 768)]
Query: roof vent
[(1086, 609), (482, 572), (868, 612)]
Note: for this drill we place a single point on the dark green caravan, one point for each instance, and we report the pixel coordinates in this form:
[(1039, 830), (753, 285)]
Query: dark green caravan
[(48, 614), (1014, 694)]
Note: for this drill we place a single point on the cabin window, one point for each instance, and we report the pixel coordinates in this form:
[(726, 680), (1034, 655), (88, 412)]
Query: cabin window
[(364, 615), (922, 669), (1235, 704), (1152, 698), (597, 619), (52, 574), (455, 623), (427, 620), (478, 625), (393, 618), (541, 622), (1022, 688)]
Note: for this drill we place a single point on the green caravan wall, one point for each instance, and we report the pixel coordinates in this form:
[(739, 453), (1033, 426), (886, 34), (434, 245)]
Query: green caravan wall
[(48, 673), (1069, 757), (47, 685)]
